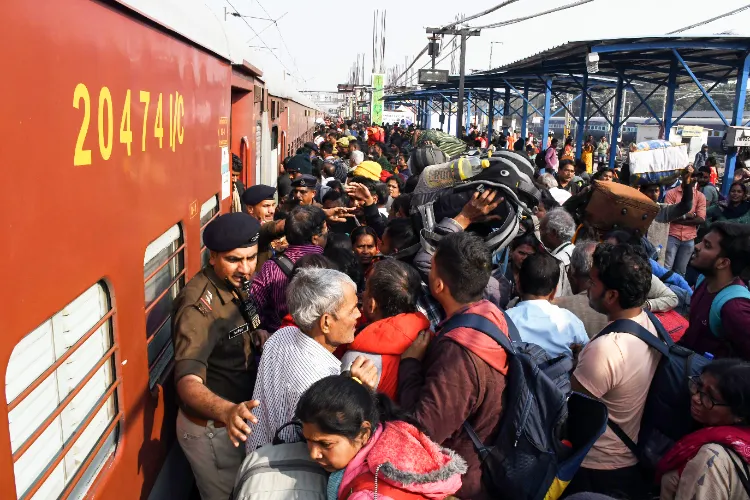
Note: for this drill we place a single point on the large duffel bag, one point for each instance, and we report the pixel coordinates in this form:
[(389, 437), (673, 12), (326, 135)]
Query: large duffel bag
[(424, 156), (617, 206)]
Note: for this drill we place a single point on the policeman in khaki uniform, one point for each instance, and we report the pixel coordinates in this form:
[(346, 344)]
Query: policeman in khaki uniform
[(215, 368)]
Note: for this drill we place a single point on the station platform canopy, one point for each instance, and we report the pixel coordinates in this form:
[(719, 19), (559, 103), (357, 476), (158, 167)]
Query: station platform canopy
[(642, 65)]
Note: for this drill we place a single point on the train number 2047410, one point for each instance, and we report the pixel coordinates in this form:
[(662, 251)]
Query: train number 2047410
[(105, 122)]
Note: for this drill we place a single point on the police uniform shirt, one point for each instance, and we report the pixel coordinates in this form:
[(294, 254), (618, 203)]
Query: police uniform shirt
[(212, 339)]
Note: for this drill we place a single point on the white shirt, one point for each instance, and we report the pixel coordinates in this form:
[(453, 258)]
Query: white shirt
[(290, 364), (550, 327)]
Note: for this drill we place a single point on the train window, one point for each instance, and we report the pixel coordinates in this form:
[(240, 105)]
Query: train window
[(61, 390), (164, 276), (209, 211)]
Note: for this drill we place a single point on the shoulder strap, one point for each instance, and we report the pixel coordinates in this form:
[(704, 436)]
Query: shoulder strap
[(742, 470), (482, 324), (725, 295), (664, 277), (624, 438), (285, 264), (633, 328)]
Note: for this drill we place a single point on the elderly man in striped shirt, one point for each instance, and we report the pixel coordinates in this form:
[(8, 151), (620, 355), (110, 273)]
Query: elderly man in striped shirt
[(323, 303)]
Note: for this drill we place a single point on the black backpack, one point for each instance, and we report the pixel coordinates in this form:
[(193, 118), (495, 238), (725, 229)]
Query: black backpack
[(539, 161), (527, 459), (666, 415)]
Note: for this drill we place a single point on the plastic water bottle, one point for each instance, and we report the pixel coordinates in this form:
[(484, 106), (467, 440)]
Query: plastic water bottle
[(467, 166), (447, 174)]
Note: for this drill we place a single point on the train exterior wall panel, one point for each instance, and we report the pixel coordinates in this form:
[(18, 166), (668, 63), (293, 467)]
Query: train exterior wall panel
[(80, 199)]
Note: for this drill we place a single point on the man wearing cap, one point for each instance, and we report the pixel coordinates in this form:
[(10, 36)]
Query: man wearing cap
[(261, 204), (303, 189), (214, 349)]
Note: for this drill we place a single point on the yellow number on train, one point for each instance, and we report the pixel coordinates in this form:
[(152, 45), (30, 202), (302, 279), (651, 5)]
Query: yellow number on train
[(181, 131), (126, 135), (82, 156), (145, 98), (105, 148), (158, 128)]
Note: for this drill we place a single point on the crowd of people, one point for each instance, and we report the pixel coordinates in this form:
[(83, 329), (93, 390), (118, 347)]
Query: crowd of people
[(324, 305)]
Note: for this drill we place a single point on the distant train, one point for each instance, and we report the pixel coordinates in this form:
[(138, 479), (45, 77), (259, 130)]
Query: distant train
[(598, 126)]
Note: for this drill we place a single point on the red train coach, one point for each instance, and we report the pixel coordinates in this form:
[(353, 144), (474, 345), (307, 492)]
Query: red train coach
[(117, 127)]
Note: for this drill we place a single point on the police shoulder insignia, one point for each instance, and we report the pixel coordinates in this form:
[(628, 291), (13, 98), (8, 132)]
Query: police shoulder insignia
[(204, 303)]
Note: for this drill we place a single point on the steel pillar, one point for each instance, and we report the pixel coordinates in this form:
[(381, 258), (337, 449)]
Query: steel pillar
[(491, 115), (669, 106), (428, 113), (525, 111), (581, 125), (506, 110), (739, 108), (450, 115), (468, 111), (616, 125), (545, 127)]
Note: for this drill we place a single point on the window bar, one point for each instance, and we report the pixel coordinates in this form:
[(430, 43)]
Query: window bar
[(54, 366), (90, 458), (168, 288), (156, 330), (209, 220), (167, 261), (43, 426), (72, 440)]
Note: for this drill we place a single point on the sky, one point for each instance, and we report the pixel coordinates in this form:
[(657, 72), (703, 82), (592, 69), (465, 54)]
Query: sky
[(315, 43)]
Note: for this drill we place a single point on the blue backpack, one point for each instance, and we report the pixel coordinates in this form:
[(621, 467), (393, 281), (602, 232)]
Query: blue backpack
[(666, 416), (528, 460), (725, 295)]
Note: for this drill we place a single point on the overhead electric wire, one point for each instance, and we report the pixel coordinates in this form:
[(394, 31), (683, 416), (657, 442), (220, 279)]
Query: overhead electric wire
[(735, 11), (538, 14), (480, 14), (264, 43), (276, 23)]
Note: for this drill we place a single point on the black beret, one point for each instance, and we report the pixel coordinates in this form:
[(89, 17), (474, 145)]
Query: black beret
[(230, 231), (305, 181), (255, 194), (311, 146), (300, 163)]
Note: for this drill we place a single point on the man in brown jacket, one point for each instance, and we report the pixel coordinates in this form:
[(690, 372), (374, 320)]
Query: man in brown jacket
[(460, 377)]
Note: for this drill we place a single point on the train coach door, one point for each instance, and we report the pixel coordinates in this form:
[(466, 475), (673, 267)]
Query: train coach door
[(258, 149)]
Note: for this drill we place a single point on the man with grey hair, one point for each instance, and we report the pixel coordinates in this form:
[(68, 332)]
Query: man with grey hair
[(323, 304), (579, 272), (556, 230)]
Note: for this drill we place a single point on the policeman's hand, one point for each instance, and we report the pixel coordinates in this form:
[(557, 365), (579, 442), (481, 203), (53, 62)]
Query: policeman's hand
[(418, 348), (360, 191), (259, 338), (366, 371), (235, 420), (338, 214)]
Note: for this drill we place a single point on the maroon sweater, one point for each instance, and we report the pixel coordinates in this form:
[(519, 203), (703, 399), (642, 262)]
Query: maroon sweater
[(450, 386)]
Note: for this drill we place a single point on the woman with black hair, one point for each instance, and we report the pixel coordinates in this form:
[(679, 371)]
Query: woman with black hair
[(737, 208), (604, 175), (372, 448), (712, 463), (365, 243)]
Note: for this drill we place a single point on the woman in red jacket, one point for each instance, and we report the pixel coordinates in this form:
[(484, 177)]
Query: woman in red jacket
[(370, 447), (389, 305)]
